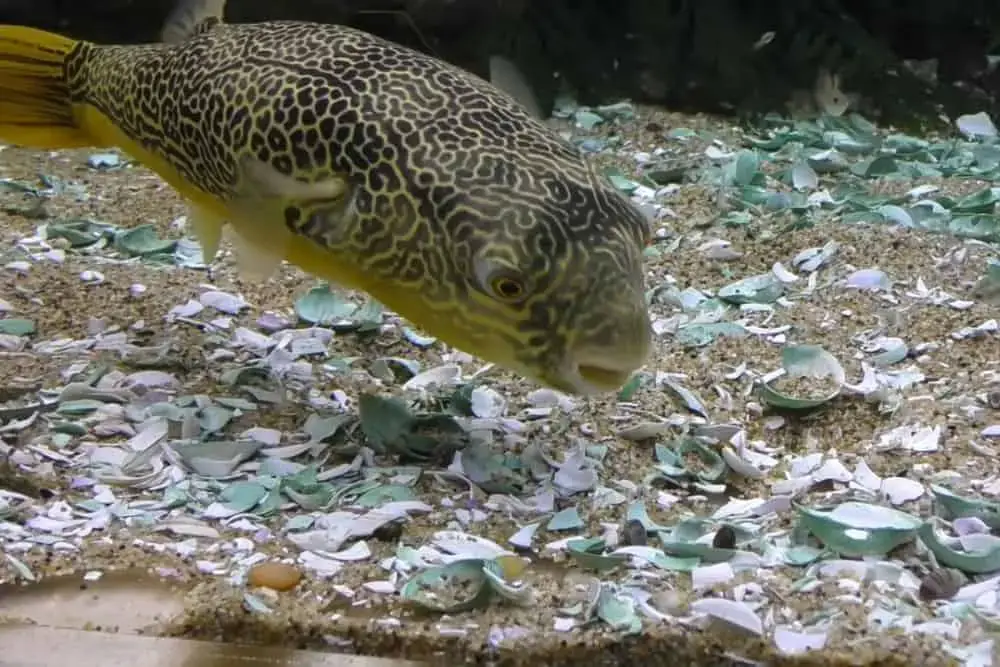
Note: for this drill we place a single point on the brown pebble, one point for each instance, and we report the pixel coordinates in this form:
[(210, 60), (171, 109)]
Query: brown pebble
[(276, 576), (941, 584)]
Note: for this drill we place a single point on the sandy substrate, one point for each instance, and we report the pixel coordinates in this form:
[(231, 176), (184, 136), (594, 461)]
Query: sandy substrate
[(339, 612)]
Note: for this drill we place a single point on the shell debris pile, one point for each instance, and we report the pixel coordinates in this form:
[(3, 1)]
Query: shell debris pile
[(806, 468)]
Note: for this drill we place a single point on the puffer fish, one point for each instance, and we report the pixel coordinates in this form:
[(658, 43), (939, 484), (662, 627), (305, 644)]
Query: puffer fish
[(366, 164)]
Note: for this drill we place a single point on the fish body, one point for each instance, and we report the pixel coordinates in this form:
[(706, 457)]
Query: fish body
[(367, 164)]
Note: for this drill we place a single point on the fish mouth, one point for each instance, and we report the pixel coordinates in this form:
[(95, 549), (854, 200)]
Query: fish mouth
[(603, 378), (590, 378), (604, 369)]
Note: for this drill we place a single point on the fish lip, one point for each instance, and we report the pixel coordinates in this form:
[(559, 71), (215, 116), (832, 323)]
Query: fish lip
[(603, 378), (603, 367), (592, 379)]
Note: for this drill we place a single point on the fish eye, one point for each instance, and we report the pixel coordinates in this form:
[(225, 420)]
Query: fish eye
[(501, 280), (507, 288)]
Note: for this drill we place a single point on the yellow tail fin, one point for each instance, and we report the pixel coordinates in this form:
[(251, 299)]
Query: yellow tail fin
[(35, 105)]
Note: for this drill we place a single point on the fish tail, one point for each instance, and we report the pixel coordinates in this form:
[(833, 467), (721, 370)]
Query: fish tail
[(36, 106)]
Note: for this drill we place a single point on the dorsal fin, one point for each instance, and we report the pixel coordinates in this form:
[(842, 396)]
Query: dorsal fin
[(506, 76), (190, 18)]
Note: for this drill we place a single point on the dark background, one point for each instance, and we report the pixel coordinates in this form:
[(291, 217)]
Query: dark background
[(686, 54)]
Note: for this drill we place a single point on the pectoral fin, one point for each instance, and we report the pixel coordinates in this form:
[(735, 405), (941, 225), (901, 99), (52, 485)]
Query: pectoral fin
[(253, 262), (261, 229), (282, 205), (207, 229), (262, 180), (506, 76), (191, 17)]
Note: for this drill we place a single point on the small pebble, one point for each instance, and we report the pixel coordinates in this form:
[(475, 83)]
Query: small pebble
[(725, 538), (276, 576), (941, 584), (389, 532), (634, 534)]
